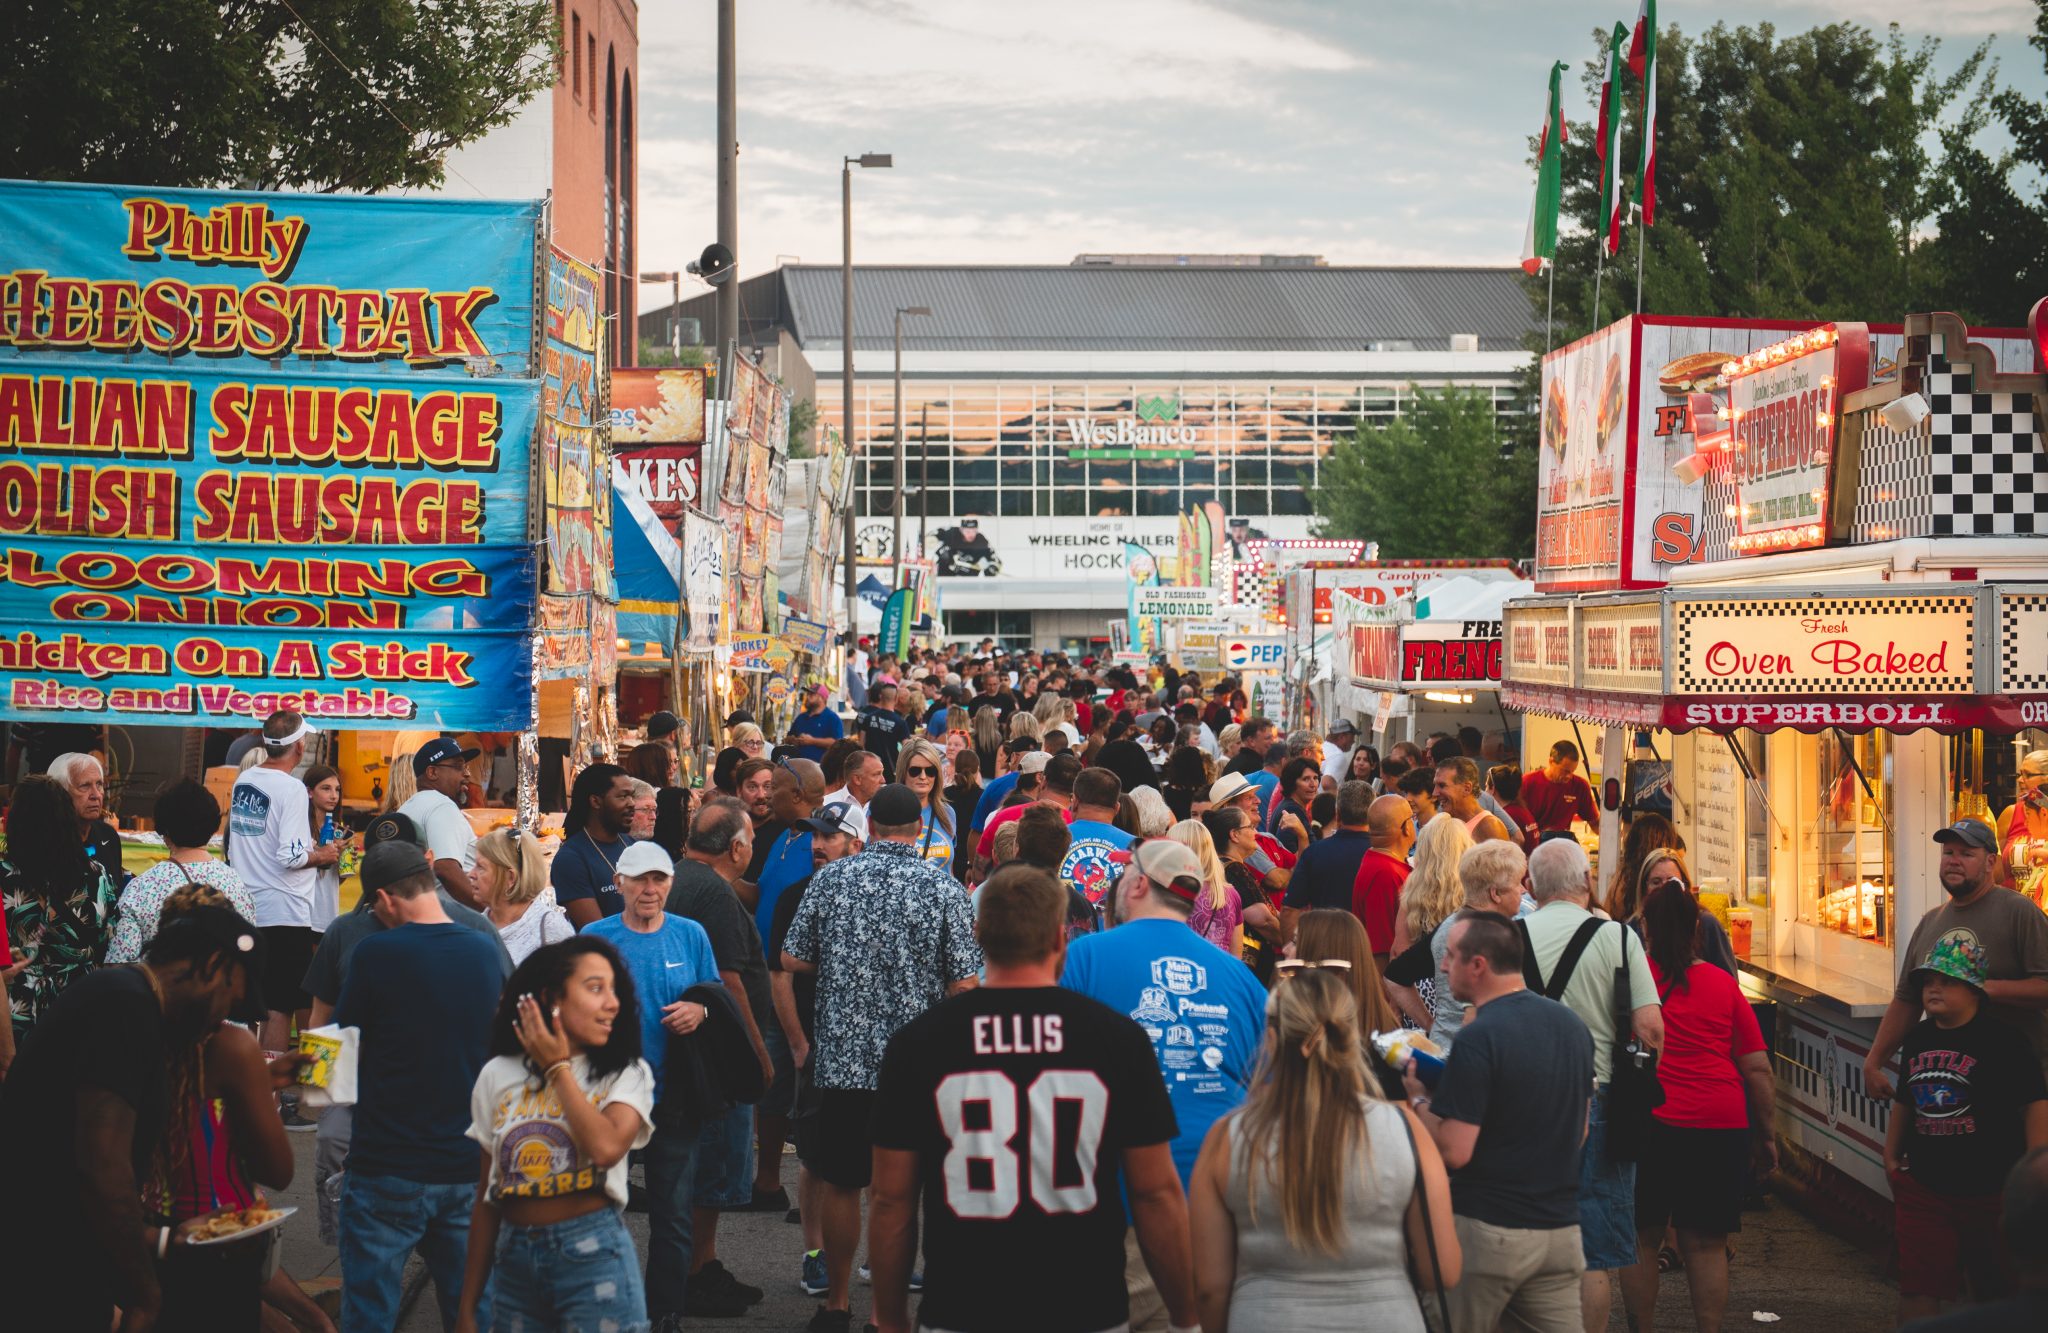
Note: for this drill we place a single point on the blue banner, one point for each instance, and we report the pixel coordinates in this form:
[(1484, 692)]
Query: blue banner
[(263, 451), (895, 636), (380, 285)]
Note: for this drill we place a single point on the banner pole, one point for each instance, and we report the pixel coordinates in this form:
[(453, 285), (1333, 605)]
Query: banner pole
[(1550, 306), (1599, 269), (1639, 256)]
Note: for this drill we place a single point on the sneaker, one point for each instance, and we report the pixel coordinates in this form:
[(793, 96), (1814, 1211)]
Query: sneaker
[(712, 1300), (294, 1121), (814, 1282), (916, 1278), (716, 1275), (830, 1321), (668, 1323), (772, 1201)]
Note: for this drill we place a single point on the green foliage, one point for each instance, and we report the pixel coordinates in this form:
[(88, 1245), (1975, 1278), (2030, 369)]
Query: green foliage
[(1437, 482), (326, 95), (803, 419), (1994, 242), (656, 352)]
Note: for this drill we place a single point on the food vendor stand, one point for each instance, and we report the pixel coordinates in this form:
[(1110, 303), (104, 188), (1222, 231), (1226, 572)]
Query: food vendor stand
[(1429, 661), (1849, 655)]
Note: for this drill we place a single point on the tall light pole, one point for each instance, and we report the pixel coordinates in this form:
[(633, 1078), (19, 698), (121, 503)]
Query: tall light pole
[(896, 539), (846, 166), (728, 196)]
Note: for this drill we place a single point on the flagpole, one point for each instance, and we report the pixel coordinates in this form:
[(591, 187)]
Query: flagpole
[(1638, 209), (1599, 267), (1550, 308)]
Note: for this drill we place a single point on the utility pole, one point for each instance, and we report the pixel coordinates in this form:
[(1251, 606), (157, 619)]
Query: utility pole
[(846, 406), (896, 540), (924, 474), (728, 192)]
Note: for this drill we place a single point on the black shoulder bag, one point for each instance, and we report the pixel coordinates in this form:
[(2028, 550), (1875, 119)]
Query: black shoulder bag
[(1633, 1091), (1443, 1300)]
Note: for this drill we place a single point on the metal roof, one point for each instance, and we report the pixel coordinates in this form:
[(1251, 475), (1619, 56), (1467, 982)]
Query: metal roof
[(1138, 308)]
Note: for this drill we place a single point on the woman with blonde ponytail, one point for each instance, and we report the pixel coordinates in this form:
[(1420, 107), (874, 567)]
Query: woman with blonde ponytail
[(1304, 1205)]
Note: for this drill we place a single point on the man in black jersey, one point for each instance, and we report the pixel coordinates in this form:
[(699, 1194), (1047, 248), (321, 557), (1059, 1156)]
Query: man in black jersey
[(1020, 1107)]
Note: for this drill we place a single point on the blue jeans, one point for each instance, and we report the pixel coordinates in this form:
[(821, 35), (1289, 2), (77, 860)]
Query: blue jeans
[(383, 1220), (725, 1160), (671, 1161), (1607, 1197), (577, 1276)]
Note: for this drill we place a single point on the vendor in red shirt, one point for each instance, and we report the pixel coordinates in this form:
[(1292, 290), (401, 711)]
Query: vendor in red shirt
[(1382, 871), (1556, 795)]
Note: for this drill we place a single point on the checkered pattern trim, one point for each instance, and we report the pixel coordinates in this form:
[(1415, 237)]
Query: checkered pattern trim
[(1717, 524), (1696, 620), (1895, 495), (1989, 474), (2021, 668)]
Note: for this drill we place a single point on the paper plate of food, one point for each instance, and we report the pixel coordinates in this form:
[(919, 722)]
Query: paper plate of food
[(232, 1224)]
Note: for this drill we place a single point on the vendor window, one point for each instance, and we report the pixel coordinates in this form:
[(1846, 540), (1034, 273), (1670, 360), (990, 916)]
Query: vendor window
[(2003, 780), (1845, 794)]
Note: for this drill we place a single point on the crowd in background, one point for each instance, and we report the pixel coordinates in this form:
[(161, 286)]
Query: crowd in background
[(1337, 1031)]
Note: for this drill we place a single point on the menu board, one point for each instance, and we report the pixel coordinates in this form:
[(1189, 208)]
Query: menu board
[(1717, 807)]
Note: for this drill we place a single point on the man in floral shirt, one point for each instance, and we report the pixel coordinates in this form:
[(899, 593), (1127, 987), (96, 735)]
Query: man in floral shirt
[(889, 935)]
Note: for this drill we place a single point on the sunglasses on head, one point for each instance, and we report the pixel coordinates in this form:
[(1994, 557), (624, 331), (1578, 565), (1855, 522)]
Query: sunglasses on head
[(1289, 966)]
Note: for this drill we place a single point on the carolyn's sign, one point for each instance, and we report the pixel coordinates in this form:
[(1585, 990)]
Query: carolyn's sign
[(1884, 646), (310, 490)]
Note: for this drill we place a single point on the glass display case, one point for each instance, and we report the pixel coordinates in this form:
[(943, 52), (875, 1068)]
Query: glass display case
[(1845, 847)]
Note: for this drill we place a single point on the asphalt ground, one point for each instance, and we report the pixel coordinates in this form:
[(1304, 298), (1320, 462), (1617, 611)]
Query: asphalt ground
[(1785, 1264)]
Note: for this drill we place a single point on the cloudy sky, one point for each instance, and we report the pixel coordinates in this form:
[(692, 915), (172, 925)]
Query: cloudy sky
[(1366, 131)]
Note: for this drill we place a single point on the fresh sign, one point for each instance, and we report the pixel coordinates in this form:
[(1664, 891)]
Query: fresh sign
[(1897, 646)]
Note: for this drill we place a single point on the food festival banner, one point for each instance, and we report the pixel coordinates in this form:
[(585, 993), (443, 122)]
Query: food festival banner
[(1169, 603), (703, 579), (1883, 645), (313, 484), (576, 512)]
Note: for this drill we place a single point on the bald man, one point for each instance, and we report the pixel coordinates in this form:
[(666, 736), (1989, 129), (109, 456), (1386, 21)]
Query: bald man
[(1382, 871)]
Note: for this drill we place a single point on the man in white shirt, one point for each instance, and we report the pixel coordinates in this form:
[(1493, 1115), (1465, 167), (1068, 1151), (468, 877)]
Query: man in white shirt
[(439, 766), (861, 779), (270, 845), (1342, 736)]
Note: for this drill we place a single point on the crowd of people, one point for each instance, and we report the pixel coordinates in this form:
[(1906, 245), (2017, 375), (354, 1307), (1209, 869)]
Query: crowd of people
[(1216, 1024)]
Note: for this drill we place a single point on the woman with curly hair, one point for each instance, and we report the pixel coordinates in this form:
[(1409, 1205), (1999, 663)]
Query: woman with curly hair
[(1433, 890), (566, 1085)]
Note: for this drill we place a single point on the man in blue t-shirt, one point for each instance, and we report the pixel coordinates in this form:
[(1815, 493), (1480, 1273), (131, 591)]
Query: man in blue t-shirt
[(1097, 849), (1204, 1010), (816, 727), (666, 955), (422, 994), (585, 870)]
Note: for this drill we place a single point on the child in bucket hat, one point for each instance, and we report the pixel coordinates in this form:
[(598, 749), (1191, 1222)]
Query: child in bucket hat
[(1970, 1102)]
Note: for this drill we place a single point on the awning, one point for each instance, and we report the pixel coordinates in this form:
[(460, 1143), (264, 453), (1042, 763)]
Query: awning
[(1944, 657)]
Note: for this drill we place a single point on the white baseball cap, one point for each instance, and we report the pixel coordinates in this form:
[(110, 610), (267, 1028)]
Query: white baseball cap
[(644, 858)]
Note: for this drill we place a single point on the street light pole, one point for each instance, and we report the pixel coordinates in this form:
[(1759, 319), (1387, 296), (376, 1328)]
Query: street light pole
[(924, 473), (896, 539), (728, 303), (848, 440)]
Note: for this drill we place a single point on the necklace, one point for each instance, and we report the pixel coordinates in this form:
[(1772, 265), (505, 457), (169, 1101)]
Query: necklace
[(610, 864)]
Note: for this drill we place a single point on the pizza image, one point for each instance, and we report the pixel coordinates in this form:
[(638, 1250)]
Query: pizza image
[(1555, 417)]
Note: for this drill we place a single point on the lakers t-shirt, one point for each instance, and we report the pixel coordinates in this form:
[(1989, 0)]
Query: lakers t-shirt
[(517, 1118), (1019, 1104)]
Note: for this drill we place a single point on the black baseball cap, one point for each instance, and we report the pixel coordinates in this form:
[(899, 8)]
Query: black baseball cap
[(737, 716), (1971, 832), (662, 724), (895, 804), (393, 827), (389, 862), (442, 750)]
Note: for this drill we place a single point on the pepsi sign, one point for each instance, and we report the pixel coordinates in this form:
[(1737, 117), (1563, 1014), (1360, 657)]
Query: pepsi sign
[(1261, 653)]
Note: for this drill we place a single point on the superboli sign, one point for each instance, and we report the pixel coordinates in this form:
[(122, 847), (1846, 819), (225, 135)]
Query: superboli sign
[(1794, 646), (1784, 404)]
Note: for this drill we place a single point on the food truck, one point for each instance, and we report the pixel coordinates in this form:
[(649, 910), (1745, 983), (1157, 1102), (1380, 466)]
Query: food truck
[(1426, 662), (1792, 586)]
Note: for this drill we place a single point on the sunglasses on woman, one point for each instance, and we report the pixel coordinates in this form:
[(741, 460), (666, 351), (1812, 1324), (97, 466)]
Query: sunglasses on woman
[(922, 771), (1287, 967)]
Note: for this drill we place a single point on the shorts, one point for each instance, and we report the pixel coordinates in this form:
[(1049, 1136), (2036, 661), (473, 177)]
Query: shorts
[(1607, 1198), (803, 1117), (1693, 1179), (1944, 1238), (782, 1091), (842, 1136), (288, 953), (725, 1161)]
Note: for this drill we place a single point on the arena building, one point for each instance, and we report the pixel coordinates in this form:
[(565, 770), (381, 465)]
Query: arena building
[(1053, 413)]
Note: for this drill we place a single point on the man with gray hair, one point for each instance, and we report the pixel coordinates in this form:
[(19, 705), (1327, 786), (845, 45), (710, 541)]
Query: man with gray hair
[(1492, 874), (1571, 956), (80, 774), (1328, 867)]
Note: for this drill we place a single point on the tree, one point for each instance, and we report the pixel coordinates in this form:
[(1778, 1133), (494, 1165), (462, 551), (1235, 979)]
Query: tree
[(326, 95), (1432, 483), (1994, 243)]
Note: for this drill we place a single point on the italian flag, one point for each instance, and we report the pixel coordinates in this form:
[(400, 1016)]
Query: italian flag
[(1539, 241), (1642, 60), (1608, 142)]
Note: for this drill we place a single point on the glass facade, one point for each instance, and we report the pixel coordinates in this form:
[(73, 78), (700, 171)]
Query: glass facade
[(1073, 448)]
